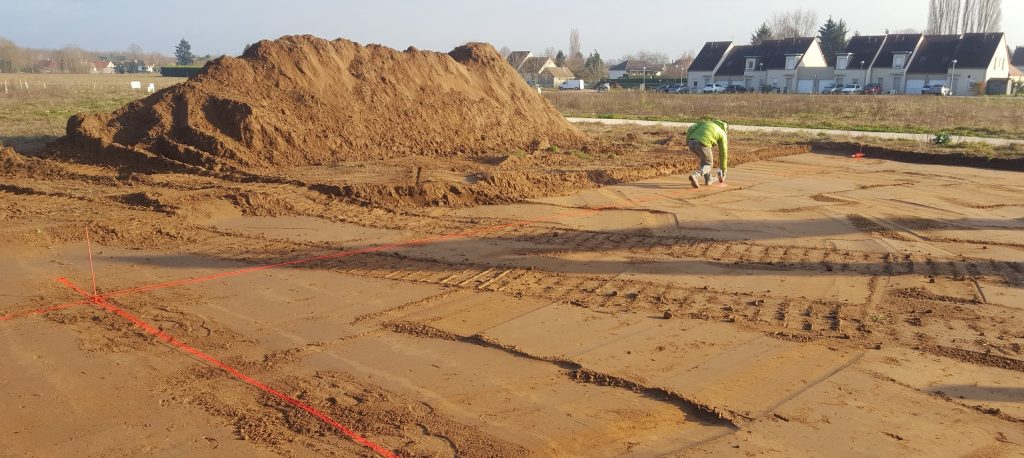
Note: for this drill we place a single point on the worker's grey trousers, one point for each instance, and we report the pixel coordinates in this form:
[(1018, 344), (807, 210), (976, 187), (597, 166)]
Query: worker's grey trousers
[(704, 154)]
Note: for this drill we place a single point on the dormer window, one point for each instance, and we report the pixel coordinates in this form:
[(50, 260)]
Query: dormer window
[(899, 60), (791, 61), (751, 62), (842, 62)]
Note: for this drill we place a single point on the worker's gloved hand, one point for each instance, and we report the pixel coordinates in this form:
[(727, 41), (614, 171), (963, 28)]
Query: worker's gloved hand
[(721, 176)]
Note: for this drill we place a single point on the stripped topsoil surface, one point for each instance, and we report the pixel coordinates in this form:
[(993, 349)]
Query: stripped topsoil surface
[(816, 305), (564, 294)]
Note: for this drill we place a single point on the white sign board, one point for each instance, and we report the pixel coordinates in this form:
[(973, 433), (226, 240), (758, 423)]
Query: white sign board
[(136, 84), (151, 88)]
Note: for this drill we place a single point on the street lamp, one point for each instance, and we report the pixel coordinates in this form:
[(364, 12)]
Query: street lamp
[(951, 91), (760, 68), (863, 75), (643, 87)]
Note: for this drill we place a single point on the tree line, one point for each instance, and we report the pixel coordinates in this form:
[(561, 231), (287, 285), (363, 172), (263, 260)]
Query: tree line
[(71, 59)]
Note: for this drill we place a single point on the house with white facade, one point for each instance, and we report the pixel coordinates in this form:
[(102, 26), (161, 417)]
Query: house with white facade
[(709, 59), (855, 63), (893, 60), (965, 62), (529, 66), (791, 65), (102, 66)]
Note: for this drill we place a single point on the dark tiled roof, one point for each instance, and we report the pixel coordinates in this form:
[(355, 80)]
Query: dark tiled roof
[(771, 52), (900, 42), (1018, 57), (559, 72), (977, 50), (864, 48), (776, 60), (735, 63), (935, 54), (516, 58), (710, 55), (534, 64)]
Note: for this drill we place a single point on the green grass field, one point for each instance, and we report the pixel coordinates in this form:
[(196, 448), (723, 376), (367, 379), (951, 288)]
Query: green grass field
[(971, 116), (34, 109)]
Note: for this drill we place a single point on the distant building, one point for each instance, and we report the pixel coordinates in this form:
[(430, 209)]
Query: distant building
[(635, 69), (901, 63), (966, 62), (46, 66), (554, 76), (102, 66), (529, 66), (702, 71), (791, 65)]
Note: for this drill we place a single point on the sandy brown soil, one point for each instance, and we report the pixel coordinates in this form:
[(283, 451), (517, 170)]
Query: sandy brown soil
[(561, 304)]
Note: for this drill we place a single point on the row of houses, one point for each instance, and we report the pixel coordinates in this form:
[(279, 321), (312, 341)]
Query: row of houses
[(902, 63), (99, 66)]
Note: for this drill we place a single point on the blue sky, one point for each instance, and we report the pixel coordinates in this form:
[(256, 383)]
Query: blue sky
[(614, 28)]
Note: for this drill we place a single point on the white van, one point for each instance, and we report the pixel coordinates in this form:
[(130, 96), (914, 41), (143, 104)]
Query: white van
[(571, 85)]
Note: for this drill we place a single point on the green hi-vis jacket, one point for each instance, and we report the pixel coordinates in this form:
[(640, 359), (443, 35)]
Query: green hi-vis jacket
[(710, 134)]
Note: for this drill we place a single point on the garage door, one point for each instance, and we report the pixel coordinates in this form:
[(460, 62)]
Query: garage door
[(914, 86), (805, 86)]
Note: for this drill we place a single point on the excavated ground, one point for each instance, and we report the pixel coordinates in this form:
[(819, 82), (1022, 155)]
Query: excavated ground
[(816, 305)]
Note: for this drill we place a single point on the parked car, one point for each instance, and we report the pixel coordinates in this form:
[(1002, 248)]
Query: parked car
[(832, 89), (735, 89), (571, 85), (603, 87), (936, 89), (852, 89), (671, 88), (873, 88), (682, 89), (715, 88)]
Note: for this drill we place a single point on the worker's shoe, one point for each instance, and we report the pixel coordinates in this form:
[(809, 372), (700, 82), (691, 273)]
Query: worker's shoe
[(693, 181), (707, 179)]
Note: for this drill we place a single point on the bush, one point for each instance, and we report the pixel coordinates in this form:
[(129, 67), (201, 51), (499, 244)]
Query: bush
[(942, 138)]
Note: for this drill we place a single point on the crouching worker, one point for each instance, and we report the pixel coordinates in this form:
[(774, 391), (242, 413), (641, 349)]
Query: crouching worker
[(701, 137)]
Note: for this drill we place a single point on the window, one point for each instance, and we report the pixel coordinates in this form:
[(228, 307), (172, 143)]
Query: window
[(842, 62), (790, 62), (750, 64), (899, 60)]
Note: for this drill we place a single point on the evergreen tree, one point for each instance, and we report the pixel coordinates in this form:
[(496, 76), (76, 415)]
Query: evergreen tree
[(761, 34), (183, 52), (560, 58), (593, 68), (833, 39)]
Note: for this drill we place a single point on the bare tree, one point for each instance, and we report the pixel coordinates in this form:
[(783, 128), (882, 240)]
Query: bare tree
[(950, 17), (12, 58), (575, 59), (549, 52), (969, 16), (134, 52), (981, 16), (944, 17), (685, 59), (794, 23), (73, 59), (650, 57)]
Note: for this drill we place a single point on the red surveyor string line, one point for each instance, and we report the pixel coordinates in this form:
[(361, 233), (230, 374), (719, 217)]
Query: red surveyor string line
[(101, 302), (92, 270)]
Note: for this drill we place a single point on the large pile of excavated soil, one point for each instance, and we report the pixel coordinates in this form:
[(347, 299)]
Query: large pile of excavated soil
[(302, 100)]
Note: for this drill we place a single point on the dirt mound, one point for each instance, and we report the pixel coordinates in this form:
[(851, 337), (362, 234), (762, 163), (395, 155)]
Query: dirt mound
[(302, 100)]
